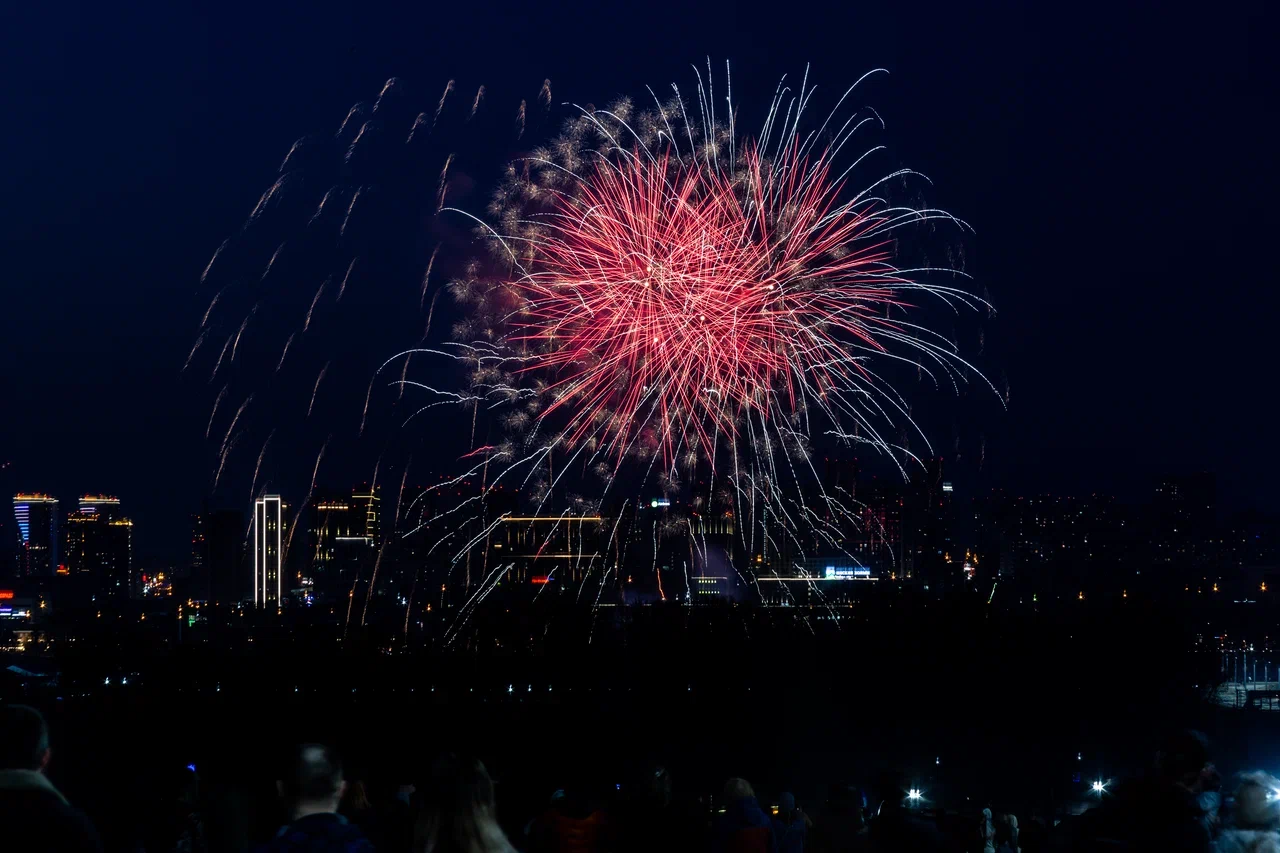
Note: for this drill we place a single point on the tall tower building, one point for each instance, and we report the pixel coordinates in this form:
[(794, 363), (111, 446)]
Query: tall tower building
[(80, 542), (37, 517), (98, 548), (1185, 520), (222, 569), (332, 519), (268, 550), (366, 503), (117, 559), (344, 537), (199, 546), (102, 505)]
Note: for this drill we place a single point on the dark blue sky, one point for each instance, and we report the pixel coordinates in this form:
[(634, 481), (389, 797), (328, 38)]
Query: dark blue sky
[(1110, 157)]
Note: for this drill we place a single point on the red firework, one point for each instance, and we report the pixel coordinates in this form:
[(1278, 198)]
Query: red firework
[(679, 297)]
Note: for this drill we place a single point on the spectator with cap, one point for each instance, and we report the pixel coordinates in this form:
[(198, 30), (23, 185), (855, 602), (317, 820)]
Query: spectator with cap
[(312, 788), (34, 815)]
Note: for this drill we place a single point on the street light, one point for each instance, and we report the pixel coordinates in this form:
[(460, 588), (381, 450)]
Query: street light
[(914, 795), (1099, 786)]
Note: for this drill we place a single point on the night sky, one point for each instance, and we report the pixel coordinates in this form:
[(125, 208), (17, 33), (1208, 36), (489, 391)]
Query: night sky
[(1110, 159)]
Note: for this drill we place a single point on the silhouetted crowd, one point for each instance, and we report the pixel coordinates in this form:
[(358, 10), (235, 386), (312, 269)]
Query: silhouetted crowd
[(1177, 805)]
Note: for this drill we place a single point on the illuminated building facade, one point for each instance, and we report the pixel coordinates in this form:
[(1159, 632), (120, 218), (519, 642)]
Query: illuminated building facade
[(345, 539), (103, 505), (878, 538), (667, 550), (928, 525), (98, 548), (331, 519), (118, 559), (366, 503), (37, 517), (199, 546), (1044, 539), (268, 550), (542, 549)]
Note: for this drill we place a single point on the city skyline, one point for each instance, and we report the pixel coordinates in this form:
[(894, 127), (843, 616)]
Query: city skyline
[(1098, 392), (906, 533), (614, 400)]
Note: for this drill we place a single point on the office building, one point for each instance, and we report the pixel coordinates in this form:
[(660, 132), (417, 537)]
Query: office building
[(927, 529), (1185, 521), (103, 505), (877, 541), (268, 550), (199, 546), (344, 541), (117, 560), (546, 549), (332, 519), (218, 542), (37, 517), (98, 549), (366, 503)]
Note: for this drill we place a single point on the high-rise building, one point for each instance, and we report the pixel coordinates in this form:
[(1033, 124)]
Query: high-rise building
[(268, 550), (878, 538), (118, 560), (365, 502), (546, 549), (927, 528), (222, 574), (199, 546), (331, 519), (1184, 526), (98, 550), (37, 517), (79, 543), (100, 505), (344, 540)]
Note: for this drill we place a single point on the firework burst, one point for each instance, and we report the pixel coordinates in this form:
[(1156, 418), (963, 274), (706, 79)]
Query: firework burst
[(668, 294)]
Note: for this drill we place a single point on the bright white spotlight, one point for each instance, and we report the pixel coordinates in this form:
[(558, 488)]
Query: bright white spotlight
[(914, 794), (1099, 787)]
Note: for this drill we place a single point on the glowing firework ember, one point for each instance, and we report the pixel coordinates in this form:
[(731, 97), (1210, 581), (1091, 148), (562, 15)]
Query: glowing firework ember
[(660, 296), (669, 280), (677, 295), (669, 304)]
